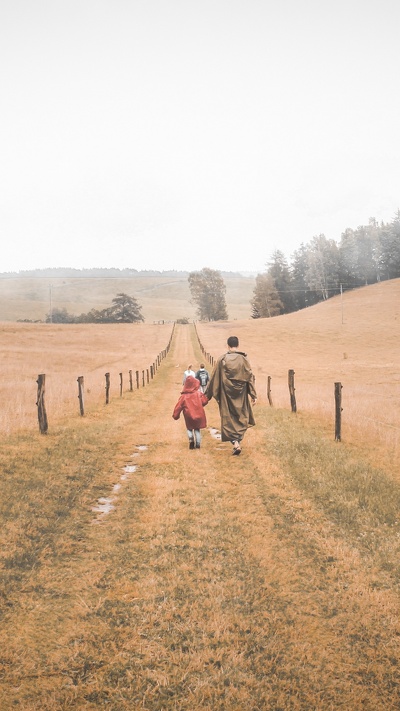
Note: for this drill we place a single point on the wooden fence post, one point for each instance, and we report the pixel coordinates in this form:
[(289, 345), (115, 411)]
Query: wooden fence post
[(107, 388), (137, 379), (42, 416), (338, 411), (80, 395), (121, 380), (143, 383), (147, 376), (269, 396), (130, 381), (292, 390)]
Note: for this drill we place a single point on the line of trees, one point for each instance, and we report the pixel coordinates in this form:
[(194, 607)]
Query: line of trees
[(124, 309), (318, 270), (321, 268)]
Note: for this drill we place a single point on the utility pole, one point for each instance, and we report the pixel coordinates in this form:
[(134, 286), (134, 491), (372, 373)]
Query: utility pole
[(341, 299), (51, 304)]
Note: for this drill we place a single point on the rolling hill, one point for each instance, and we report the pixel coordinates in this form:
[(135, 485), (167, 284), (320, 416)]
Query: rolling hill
[(163, 296)]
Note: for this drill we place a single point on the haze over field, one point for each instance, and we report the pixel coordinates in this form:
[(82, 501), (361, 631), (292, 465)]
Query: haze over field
[(168, 135), (162, 297)]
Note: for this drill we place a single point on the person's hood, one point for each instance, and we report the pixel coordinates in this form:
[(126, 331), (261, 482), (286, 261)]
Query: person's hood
[(191, 385), (236, 367)]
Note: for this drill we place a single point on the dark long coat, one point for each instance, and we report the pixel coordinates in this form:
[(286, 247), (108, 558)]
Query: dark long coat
[(232, 386), (191, 403)]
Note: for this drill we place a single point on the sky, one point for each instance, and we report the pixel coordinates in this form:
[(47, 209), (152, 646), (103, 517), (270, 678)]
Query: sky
[(179, 134)]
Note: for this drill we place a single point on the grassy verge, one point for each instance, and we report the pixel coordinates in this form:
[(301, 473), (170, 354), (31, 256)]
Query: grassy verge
[(362, 501)]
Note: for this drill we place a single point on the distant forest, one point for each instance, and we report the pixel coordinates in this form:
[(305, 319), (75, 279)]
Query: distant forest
[(97, 272), (316, 271), (323, 268)]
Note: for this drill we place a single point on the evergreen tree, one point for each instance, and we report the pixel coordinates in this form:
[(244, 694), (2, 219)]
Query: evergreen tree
[(348, 258), (279, 270), (302, 294), (322, 275), (124, 309), (389, 259), (357, 255), (265, 302), (207, 288)]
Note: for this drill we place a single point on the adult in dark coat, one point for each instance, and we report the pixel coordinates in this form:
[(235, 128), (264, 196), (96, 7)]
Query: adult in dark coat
[(232, 386)]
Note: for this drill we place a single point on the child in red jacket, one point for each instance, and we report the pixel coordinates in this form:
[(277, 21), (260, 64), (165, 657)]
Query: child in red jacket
[(192, 403)]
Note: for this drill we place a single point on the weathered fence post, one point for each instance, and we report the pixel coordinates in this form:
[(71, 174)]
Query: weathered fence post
[(137, 379), (42, 416), (147, 376), (269, 396), (107, 388), (338, 411), (292, 390), (80, 395), (121, 381), (130, 381), (143, 382)]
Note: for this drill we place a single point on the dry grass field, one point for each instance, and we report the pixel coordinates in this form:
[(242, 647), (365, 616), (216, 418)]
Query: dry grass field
[(354, 339), (136, 574), (161, 297), (63, 353)]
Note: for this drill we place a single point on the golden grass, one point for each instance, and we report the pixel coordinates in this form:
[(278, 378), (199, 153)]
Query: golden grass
[(161, 297), (268, 581), (354, 340), (63, 353)]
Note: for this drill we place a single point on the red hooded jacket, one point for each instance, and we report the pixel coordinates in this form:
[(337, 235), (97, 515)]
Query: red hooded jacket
[(191, 403)]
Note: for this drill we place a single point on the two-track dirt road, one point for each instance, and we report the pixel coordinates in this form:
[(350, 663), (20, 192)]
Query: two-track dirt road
[(214, 583)]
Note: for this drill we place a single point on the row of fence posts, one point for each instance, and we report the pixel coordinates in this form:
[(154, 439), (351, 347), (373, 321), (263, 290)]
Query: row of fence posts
[(292, 392), (207, 355), (338, 402), (141, 379)]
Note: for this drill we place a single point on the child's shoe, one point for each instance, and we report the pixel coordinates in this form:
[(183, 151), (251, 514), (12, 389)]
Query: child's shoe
[(191, 444)]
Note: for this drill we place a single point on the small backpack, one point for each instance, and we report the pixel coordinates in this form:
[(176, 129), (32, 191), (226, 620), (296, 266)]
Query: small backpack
[(202, 375)]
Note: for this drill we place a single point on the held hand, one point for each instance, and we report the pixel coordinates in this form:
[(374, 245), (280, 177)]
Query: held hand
[(254, 401)]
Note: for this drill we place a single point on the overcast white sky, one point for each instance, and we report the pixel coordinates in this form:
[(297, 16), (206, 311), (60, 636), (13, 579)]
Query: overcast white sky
[(178, 134)]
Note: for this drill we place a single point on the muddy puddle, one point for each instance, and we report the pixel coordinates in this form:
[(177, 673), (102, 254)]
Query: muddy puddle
[(106, 504), (216, 434)]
